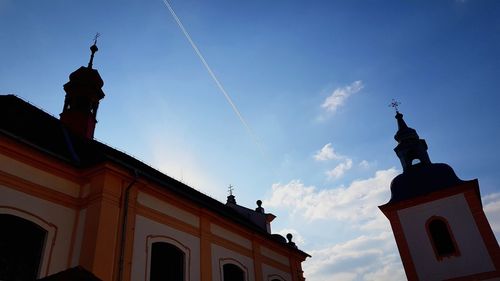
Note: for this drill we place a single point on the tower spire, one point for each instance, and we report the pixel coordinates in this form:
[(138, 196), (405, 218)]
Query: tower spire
[(83, 94), (93, 50), (410, 146), (437, 219)]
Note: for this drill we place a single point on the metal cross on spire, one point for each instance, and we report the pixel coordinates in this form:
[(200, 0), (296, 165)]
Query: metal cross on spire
[(394, 104), (97, 35), (230, 190)]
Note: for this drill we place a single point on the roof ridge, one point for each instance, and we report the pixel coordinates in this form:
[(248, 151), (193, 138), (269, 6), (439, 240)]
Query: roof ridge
[(20, 99)]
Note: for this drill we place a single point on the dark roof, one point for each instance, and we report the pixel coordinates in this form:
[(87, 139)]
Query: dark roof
[(72, 274), (422, 179), (32, 126), (86, 78)]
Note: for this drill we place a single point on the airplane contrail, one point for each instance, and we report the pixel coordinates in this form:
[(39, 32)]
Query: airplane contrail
[(214, 77)]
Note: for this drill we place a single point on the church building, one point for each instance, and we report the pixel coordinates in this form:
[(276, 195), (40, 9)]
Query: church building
[(437, 219), (73, 208)]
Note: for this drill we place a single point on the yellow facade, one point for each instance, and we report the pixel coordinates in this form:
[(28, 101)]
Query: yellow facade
[(104, 217)]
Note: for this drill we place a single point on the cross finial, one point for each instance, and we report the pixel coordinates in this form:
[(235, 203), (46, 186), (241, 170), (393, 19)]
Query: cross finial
[(97, 35), (394, 104), (230, 190)]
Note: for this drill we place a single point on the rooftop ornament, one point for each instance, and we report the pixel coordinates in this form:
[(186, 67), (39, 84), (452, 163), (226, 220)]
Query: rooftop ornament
[(93, 49)]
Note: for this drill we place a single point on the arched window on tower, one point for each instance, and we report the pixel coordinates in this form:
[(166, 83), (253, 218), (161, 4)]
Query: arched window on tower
[(21, 246), (441, 237), (232, 272), (167, 262)]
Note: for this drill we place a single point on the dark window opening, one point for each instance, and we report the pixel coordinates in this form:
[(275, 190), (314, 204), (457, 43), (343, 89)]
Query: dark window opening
[(21, 246), (442, 238), (167, 263), (233, 272)]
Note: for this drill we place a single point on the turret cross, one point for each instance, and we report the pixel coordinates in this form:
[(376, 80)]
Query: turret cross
[(97, 35), (394, 104)]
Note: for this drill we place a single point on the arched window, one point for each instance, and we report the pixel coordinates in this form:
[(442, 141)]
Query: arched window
[(21, 246), (232, 272), (441, 238), (167, 262)]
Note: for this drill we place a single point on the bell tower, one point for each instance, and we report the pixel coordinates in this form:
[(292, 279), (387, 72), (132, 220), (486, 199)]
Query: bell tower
[(83, 93), (437, 219)]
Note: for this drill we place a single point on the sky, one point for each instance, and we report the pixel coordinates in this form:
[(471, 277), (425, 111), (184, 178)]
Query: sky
[(311, 79)]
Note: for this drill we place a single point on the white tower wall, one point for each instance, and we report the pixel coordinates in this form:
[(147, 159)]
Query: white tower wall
[(473, 258)]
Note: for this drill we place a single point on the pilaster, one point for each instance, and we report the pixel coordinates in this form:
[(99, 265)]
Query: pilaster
[(101, 225)]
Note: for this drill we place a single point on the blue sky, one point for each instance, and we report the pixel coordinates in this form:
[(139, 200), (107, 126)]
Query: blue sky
[(313, 79)]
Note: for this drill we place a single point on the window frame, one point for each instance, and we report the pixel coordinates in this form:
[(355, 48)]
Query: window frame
[(50, 237), (150, 239), (224, 261), (439, 257)]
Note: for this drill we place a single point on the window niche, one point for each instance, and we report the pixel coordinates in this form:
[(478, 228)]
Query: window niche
[(441, 237), (21, 248), (232, 272), (167, 262)]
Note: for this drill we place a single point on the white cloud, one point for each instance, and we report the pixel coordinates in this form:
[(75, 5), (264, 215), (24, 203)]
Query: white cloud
[(357, 203), (339, 96), (491, 203), (326, 153), (366, 257), (371, 253), (390, 271), (364, 164), (339, 170)]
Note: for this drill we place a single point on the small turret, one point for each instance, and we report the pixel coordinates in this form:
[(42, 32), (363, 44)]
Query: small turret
[(230, 198), (83, 93), (410, 147)]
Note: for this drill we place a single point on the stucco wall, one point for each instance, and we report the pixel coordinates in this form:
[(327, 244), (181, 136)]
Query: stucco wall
[(269, 273), (56, 219), (34, 175), (221, 255), (145, 229)]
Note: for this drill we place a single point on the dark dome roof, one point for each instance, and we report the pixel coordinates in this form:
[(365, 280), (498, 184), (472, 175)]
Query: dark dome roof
[(86, 78), (422, 179), (85, 75)]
